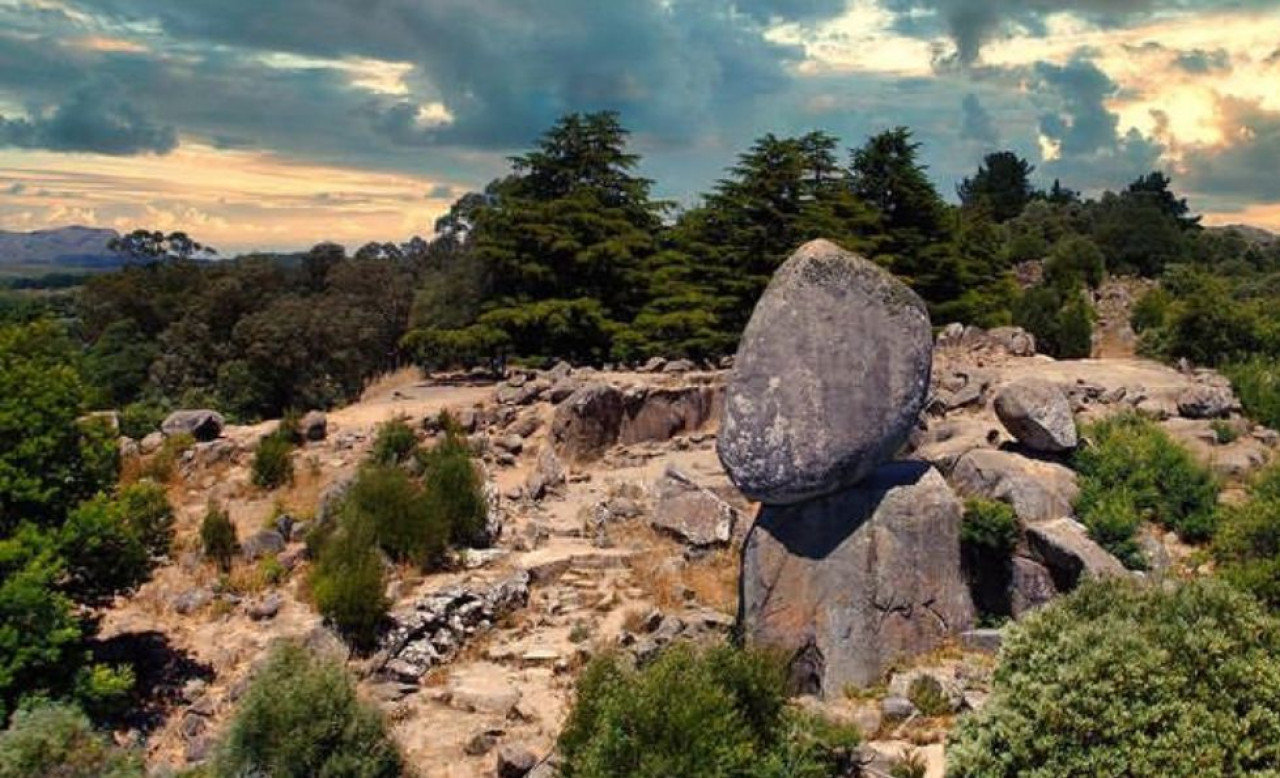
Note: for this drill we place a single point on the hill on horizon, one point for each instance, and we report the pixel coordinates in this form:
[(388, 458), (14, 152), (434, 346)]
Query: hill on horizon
[(58, 249)]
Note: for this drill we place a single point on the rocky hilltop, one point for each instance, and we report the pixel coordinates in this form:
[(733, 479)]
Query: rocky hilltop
[(813, 493)]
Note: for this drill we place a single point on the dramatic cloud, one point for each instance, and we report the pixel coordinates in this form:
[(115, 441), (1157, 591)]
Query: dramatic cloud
[(1200, 61), (1243, 170), (93, 121), (976, 124)]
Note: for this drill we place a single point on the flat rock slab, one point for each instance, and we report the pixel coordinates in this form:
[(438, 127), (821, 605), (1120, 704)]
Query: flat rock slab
[(852, 583), (829, 380)]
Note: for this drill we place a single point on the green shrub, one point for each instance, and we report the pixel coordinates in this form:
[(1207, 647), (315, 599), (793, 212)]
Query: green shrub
[(394, 443), (301, 718), (273, 462), (218, 536), (1224, 432), (348, 584), (1119, 679), (455, 491), (720, 712), (145, 508), (1151, 311), (102, 554), (290, 428), (1131, 471), (1257, 384), (397, 511), (990, 525), (927, 694), (989, 531), (1074, 261), (139, 419), (1247, 544), (57, 741)]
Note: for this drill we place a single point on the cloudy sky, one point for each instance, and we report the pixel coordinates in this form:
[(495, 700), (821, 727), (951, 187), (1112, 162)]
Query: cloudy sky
[(280, 123)]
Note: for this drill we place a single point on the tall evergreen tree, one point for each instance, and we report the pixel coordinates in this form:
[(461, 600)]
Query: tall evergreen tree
[(1002, 186)]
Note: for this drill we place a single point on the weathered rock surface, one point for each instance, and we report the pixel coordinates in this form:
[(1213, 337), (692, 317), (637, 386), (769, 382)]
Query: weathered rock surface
[(1070, 555), (1038, 491), (692, 513), (1207, 401), (203, 425), (831, 376), (588, 422), (315, 425), (1030, 586), (1038, 414), (660, 413), (849, 584), (598, 416)]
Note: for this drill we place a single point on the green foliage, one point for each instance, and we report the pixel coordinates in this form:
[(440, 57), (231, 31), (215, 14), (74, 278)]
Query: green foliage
[(162, 463), (139, 419), (455, 490), (1247, 544), (301, 718), (144, 508), (48, 462), (1257, 384), (394, 443), (1151, 311), (1120, 679), (118, 363), (1131, 471), (102, 552), (1061, 320), (39, 633), (1224, 432), (57, 741), (989, 525), (1002, 186), (399, 514), (910, 764), (927, 694), (728, 719), (273, 462), (349, 582), (1073, 262), (218, 537)]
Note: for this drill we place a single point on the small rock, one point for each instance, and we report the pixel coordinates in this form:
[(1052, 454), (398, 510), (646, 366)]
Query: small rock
[(262, 544), (151, 443), (678, 366), (191, 601), (515, 761), (266, 608), (204, 425), (897, 708), (1038, 414), (315, 426), (1204, 401), (480, 744)]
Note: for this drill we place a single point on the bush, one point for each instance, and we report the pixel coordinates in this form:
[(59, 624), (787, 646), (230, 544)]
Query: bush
[(1074, 261), (1121, 680), (1131, 471), (927, 694), (988, 534), (395, 443), (1257, 384), (218, 536), (102, 554), (273, 462), (145, 509), (137, 420), (1151, 310), (721, 712), (399, 515), (455, 490), (58, 741), (349, 584), (1247, 544), (301, 718)]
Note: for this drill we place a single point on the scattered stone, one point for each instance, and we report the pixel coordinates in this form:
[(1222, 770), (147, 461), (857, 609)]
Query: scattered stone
[(1038, 491), (151, 443), (897, 708), (560, 371), (268, 542), (266, 608), (515, 761), (563, 389), (831, 375), (490, 696), (1070, 555), (438, 624), (692, 513), (1204, 401), (1038, 414), (204, 425), (315, 426), (480, 744), (679, 366), (191, 601), (547, 477), (852, 583), (654, 365)]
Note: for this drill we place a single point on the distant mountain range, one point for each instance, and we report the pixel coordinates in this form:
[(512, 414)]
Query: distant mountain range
[(61, 249)]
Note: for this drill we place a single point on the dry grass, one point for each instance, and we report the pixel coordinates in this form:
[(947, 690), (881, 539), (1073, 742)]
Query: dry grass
[(661, 571)]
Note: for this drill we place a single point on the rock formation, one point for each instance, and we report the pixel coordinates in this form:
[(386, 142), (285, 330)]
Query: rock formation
[(853, 564), (1038, 414)]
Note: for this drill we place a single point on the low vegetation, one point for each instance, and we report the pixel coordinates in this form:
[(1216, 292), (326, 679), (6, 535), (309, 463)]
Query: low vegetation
[(273, 461), (1132, 471), (58, 741), (730, 718), (1124, 679), (989, 532), (302, 718), (218, 537), (1247, 545)]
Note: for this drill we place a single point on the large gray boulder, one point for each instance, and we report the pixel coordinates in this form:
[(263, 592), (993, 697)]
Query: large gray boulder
[(1071, 556), (849, 584), (829, 380), (1038, 414), (204, 425), (1038, 491)]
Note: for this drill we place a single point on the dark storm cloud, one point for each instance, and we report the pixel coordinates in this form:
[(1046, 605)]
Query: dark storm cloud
[(972, 23), (1245, 170), (976, 124), (92, 120)]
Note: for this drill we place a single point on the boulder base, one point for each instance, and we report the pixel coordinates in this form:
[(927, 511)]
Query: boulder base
[(851, 583), (830, 378)]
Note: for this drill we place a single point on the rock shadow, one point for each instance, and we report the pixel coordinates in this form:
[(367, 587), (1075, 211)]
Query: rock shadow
[(160, 672)]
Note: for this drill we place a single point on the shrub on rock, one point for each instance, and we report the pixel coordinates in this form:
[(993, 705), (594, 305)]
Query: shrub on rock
[(348, 584), (218, 537), (273, 462), (1121, 679), (301, 718), (394, 443)]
